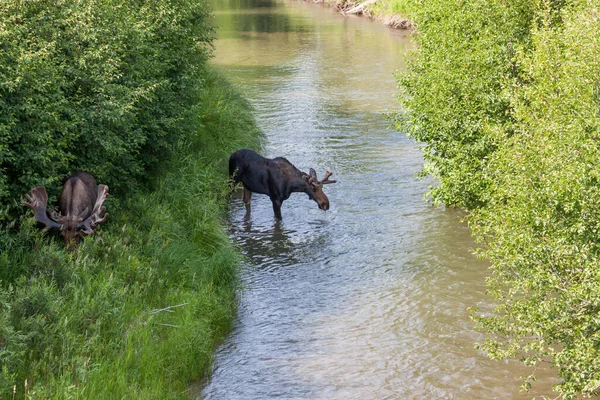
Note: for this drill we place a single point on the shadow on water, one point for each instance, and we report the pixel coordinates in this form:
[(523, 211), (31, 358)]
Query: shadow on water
[(269, 243), (265, 246), (369, 299), (244, 5)]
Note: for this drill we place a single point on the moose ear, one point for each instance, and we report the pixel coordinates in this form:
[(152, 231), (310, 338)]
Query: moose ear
[(308, 178), (313, 174)]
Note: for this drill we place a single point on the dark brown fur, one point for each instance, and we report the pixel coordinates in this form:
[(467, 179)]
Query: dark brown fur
[(76, 203), (80, 203)]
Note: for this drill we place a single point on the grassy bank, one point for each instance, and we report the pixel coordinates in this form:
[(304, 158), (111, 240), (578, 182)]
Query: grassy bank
[(394, 13), (121, 90), (87, 324)]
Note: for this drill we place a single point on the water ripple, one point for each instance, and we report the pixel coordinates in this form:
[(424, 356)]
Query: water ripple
[(368, 300)]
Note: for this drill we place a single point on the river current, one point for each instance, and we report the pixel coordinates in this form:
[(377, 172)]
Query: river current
[(368, 300)]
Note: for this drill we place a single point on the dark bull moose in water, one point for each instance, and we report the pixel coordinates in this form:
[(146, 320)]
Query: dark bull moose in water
[(80, 203), (277, 178)]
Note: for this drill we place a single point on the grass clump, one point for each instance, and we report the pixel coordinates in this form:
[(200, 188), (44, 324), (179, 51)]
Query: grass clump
[(389, 8)]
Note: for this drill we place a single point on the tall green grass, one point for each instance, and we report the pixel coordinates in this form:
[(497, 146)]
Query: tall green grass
[(96, 323), (389, 8)]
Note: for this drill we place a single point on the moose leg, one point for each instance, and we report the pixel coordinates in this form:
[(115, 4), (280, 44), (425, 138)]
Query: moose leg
[(277, 208), (247, 198)]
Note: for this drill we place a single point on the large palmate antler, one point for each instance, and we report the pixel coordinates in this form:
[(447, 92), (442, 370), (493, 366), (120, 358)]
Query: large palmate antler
[(90, 222), (37, 200)]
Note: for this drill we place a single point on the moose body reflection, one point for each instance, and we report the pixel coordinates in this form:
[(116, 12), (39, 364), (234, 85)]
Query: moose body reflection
[(277, 178)]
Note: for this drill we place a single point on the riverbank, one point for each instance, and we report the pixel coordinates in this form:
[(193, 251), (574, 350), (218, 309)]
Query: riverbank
[(137, 311), (393, 13)]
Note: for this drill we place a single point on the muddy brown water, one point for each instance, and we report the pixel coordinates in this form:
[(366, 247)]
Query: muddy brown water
[(369, 299)]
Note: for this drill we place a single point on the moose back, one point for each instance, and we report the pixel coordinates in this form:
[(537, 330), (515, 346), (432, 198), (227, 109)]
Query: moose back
[(277, 178)]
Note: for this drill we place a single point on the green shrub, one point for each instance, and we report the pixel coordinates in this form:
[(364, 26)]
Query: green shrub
[(506, 96), (542, 225), (102, 86), (454, 89)]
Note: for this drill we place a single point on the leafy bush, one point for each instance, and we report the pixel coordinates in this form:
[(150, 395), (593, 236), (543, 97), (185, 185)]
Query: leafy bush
[(543, 222), (454, 89), (511, 120), (102, 86)]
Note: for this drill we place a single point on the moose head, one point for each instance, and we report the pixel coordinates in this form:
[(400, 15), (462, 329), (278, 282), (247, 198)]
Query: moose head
[(316, 186), (80, 203)]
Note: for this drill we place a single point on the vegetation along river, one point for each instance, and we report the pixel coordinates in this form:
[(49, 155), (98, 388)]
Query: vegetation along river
[(369, 299)]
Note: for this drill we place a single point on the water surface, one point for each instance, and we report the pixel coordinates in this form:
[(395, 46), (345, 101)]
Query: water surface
[(368, 300)]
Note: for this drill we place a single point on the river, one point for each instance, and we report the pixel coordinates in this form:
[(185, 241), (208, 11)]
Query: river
[(369, 299)]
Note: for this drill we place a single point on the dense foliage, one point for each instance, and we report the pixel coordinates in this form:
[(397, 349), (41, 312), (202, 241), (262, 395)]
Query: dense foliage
[(101, 86), (506, 97), (120, 89), (455, 89)]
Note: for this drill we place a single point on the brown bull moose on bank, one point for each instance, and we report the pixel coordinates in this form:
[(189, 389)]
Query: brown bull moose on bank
[(80, 204), (277, 178)]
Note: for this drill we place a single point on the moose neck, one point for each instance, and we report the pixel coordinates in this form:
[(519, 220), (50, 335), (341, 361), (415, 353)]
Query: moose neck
[(308, 190)]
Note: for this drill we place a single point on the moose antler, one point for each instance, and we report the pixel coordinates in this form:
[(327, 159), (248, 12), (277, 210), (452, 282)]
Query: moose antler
[(90, 222), (313, 180), (326, 180), (37, 201)]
